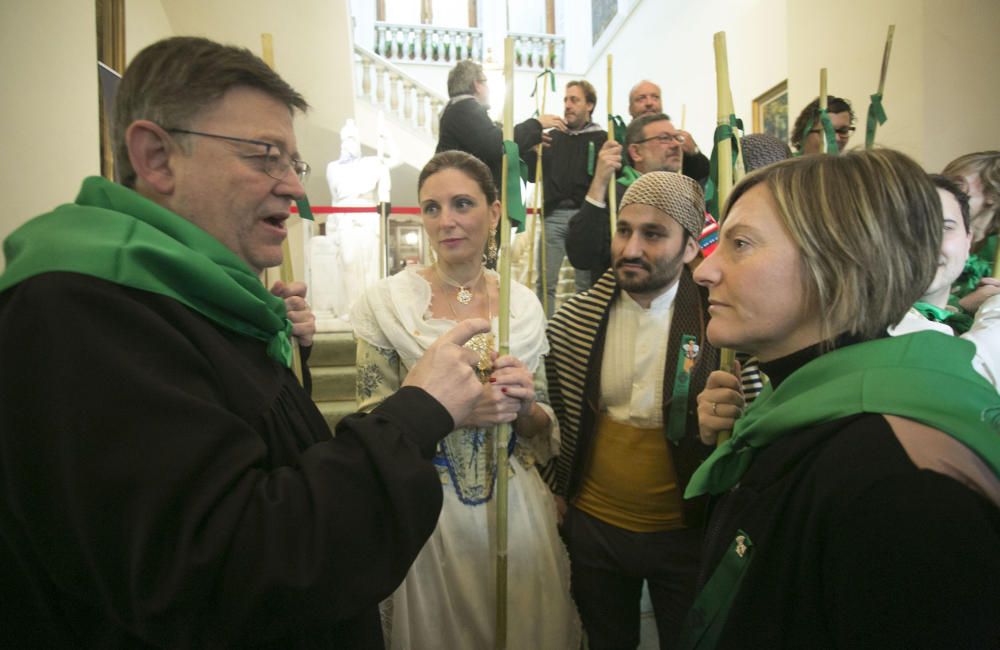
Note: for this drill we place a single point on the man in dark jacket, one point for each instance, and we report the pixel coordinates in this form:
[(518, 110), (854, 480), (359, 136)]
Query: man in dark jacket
[(166, 481)]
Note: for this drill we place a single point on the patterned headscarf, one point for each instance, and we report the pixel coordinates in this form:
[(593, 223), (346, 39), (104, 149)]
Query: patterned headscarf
[(761, 150), (680, 197)]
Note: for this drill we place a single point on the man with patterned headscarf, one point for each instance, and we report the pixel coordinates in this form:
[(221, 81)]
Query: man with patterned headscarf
[(628, 359)]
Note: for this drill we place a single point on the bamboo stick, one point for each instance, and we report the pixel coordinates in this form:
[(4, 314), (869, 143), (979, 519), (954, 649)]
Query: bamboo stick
[(822, 109), (503, 430), (539, 201), (684, 112), (873, 118), (287, 270), (724, 157), (885, 58), (612, 194)]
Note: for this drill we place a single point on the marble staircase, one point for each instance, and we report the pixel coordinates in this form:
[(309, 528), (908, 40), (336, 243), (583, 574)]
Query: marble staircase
[(332, 364)]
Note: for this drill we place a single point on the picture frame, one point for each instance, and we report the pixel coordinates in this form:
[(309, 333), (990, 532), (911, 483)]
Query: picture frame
[(770, 112)]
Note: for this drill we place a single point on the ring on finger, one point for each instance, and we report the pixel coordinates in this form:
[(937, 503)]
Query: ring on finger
[(715, 408)]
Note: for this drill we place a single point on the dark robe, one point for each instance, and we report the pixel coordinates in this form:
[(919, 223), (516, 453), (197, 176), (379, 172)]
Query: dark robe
[(163, 482)]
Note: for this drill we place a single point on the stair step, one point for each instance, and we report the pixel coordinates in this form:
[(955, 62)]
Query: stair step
[(333, 349), (333, 383), (335, 410)]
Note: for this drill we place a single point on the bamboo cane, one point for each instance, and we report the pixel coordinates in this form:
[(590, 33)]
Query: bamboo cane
[(503, 430), (724, 157), (539, 201), (287, 271), (684, 112), (612, 194), (881, 79), (822, 108)]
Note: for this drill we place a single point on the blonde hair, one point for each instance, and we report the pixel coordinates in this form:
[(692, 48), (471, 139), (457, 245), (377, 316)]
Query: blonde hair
[(868, 228), (986, 165)]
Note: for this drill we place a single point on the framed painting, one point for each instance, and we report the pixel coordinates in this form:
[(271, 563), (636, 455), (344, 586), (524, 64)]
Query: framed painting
[(770, 112)]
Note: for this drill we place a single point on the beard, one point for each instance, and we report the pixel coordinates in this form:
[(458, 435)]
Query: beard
[(662, 273)]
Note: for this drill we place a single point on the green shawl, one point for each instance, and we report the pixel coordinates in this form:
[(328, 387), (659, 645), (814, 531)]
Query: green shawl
[(113, 233), (925, 376)]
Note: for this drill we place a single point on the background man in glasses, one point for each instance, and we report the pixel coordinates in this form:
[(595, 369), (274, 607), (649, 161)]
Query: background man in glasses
[(841, 116), (653, 145), (167, 482), (645, 98)]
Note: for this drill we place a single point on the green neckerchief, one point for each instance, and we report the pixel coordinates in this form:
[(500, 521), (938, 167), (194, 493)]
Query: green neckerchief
[(925, 376), (113, 233), (516, 169), (876, 117), (977, 266), (956, 320)]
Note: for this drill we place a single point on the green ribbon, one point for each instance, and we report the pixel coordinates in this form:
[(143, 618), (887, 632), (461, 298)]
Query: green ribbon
[(722, 132), (977, 266), (591, 157), (828, 133), (115, 234), (707, 616), (629, 176), (516, 169), (620, 129), (957, 320), (305, 211), (876, 116), (552, 79), (924, 376), (682, 382)]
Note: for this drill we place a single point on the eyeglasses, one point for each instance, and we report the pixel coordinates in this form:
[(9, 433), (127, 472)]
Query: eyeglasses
[(844, 130), (275, 166), (665, 138)]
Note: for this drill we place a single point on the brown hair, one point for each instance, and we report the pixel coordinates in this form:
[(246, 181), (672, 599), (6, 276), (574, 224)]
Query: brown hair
[(954, 186), (985, 164), (174, 79), (868, 228), (471, 166), (811, 112), (589, 93)]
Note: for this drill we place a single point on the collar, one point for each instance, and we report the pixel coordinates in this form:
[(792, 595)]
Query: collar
[(659, 305)]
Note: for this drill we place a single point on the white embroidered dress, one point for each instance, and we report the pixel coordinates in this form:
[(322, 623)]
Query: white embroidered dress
[(448, 597)]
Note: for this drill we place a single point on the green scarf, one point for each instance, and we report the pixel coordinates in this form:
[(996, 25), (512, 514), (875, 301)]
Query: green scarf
[(977, 266), (113, 233), (958, 321), (925, 376)]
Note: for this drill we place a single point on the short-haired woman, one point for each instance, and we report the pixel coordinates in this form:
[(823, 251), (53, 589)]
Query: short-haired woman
[(857, 497)]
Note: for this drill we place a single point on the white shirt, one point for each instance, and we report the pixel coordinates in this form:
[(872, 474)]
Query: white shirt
[(635, 351)]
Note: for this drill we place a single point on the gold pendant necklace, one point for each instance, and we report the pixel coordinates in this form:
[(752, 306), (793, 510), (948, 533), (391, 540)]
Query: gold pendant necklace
[(481, 344), (464, 293)]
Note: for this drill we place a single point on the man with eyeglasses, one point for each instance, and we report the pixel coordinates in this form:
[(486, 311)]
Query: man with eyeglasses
[(653, 144), (841, 117), (645, 99), (167, 482)]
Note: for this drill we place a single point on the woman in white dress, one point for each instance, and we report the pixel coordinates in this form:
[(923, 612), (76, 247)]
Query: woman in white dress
[(448, 597)]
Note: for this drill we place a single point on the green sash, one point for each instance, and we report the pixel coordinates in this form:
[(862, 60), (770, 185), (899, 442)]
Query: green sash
[(115, 234), (925, 376)]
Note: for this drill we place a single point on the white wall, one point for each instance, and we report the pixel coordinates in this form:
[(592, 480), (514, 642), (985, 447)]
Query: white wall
[(851, 50), (50, 106), (670, 43), (962, 92)]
